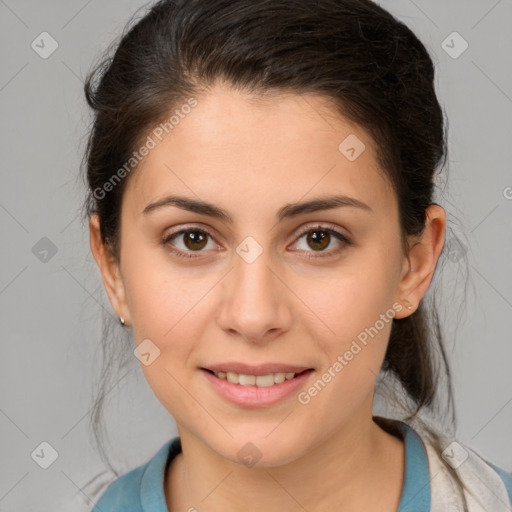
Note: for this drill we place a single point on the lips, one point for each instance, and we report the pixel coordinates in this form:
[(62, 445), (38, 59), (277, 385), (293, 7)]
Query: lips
[(256, 386)]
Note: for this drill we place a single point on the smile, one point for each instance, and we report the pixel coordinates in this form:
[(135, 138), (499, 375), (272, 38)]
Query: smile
[(256, 391)]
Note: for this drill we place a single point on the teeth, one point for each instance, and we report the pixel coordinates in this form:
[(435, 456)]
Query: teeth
[(279, 377), (232, 377), (247, 380), (261, 381)]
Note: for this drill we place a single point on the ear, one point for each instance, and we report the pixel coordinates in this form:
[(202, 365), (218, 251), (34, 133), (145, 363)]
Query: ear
[(420, 264), (109, 268)]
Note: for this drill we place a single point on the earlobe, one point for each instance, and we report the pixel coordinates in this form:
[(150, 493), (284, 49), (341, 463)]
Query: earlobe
[(109, 269), (421, 260)]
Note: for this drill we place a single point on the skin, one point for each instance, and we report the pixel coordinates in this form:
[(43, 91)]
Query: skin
[(251, 157)]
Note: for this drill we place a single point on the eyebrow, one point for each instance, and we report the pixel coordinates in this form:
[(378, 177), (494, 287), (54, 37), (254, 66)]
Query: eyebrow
[(288, 211)]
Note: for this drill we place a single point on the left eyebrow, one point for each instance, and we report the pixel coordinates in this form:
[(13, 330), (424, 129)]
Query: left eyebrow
[(321, 203), (288, 211)]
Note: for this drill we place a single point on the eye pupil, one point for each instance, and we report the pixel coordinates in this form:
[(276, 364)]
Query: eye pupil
[(314, 238)]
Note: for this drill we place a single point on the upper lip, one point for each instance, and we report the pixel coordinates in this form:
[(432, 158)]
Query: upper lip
[(261, 369)]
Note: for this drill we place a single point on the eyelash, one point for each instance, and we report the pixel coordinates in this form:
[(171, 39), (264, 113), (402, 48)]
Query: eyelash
[(322, 254)]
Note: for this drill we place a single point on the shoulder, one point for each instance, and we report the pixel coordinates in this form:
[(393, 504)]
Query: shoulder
[(141, 488), (485, 482), (456, 468)]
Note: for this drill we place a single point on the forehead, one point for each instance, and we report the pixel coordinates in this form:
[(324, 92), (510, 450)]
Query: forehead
[(251, 151)]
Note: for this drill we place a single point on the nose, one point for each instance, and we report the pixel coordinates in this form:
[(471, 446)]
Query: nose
[(255, 304)]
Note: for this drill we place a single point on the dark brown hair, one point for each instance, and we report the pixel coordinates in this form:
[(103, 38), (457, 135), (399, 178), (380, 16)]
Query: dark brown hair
[(370, 66)]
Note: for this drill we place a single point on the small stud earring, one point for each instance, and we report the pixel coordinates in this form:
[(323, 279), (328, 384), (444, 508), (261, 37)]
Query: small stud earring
[(407, 306), (121, 320)]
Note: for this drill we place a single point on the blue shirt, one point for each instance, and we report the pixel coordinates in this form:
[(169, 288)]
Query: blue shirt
[(142, 489)]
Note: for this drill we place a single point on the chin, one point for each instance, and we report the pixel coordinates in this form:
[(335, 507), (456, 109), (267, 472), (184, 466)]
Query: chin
[(259, 449)]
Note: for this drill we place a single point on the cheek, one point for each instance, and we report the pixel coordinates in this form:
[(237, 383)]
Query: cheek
[(169, 306), (356, 306), (353, 298), (165, 309), (159, 294)]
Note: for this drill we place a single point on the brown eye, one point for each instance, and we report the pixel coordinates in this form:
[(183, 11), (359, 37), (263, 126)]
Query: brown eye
[(318, 239), (188, 241), (194, 240)]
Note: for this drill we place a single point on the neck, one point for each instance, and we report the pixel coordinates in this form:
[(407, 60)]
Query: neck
[(341, 470)]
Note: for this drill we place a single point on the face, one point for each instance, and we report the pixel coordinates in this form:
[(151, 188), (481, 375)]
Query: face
[(267, 288)]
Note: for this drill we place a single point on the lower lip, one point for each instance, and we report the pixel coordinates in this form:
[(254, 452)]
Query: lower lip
[(253, 396)]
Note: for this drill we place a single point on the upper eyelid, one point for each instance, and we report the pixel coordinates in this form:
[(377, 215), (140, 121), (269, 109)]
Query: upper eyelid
[(184, 229), (321, 226)]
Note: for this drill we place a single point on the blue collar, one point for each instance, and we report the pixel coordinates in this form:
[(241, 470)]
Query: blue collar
[(416, 490), (152, 495), (415, 493)]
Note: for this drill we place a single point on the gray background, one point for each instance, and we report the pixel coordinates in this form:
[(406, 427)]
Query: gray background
[(51, 304)]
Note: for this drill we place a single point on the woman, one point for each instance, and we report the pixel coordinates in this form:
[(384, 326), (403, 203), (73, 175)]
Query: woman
[(261, 179)]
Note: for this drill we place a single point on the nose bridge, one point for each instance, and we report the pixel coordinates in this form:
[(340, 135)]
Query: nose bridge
[(253, 303), (253, 277)]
